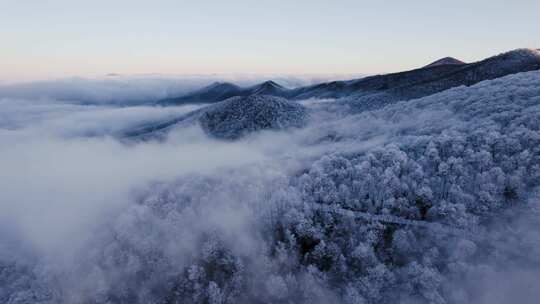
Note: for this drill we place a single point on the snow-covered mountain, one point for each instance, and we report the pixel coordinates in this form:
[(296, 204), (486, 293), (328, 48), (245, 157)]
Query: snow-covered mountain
[(378, 197), (239, 116), (220, 91), (428, 80), (267, 88), (371, 92), (435, 77), (432, 200), (232, 118)]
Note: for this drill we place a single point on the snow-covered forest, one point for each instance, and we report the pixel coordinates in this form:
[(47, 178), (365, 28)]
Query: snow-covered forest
[(430, 200)]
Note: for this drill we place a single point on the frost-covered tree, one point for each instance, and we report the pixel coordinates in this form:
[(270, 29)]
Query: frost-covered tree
[(416, 202)]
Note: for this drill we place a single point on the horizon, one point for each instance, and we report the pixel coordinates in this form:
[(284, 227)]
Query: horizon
[(239, 78), (61, 39)]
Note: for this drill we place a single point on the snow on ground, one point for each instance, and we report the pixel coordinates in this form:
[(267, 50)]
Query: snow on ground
[(194, 219)]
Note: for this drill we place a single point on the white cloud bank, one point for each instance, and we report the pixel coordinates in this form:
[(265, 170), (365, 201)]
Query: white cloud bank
[(91, 219)]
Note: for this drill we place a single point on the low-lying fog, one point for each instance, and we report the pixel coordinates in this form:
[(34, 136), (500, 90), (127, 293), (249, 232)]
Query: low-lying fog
[(89, 217)]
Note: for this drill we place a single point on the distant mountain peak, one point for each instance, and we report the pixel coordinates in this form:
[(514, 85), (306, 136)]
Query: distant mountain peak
[(267, 87), (271, 84), (438, 76), (445, 61)]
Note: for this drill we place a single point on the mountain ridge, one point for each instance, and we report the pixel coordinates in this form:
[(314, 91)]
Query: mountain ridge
[(438, 76)]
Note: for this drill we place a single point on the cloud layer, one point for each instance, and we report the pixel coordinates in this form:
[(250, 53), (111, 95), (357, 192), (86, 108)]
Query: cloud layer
[(86, 217)]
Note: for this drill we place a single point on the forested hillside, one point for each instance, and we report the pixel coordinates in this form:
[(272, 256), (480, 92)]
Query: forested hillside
[(432, 200)]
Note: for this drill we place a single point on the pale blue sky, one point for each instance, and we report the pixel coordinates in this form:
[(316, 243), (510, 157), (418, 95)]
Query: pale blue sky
[(50, 39)]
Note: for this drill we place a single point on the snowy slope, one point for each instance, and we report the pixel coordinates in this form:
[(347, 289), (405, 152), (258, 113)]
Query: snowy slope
[(238, 116), (220, 91), (232, 118), (433, 78), (430, 200), (521, 60)]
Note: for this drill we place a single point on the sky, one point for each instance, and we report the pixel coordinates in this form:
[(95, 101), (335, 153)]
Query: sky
[(47, 39)]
